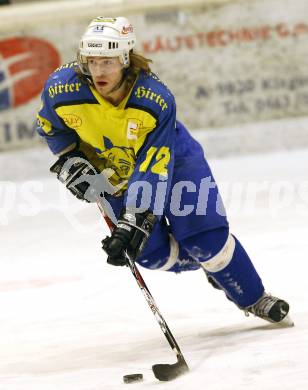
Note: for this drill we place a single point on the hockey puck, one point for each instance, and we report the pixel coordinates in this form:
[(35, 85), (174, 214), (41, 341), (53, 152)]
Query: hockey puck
[(132, 378)]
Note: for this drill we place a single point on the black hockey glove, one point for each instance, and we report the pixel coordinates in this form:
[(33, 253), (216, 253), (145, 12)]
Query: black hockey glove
[(129, 236), (70, 169)]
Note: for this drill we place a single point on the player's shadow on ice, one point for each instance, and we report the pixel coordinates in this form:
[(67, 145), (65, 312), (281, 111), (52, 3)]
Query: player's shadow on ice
[(226, 339)]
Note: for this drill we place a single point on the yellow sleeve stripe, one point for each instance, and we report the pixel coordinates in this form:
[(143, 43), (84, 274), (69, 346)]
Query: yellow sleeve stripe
[(44, 124)]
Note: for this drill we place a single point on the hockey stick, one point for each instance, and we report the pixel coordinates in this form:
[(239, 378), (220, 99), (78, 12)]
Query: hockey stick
[(163, 372)]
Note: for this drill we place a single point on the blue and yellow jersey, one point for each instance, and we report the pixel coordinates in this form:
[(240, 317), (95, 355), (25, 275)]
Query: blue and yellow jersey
[(136, 138)]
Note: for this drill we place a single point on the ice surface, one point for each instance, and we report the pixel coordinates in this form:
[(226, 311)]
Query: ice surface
[(69, 321)]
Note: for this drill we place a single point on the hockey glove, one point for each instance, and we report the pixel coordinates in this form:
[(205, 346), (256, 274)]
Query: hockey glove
[(71, 168), (129, 236)]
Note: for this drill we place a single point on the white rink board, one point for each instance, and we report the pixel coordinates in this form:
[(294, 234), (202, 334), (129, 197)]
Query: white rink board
[(228, 63), (240, 63)]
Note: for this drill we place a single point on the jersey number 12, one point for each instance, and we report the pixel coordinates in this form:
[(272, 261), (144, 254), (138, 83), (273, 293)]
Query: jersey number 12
[(162, 158)]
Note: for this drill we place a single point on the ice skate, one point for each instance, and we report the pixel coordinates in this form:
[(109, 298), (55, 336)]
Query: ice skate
[(271, 309)]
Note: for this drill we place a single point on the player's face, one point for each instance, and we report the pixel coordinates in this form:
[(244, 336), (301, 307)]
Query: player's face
[(106, 73)]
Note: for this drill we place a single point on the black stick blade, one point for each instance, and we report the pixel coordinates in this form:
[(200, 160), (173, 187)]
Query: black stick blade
[(168, 372)]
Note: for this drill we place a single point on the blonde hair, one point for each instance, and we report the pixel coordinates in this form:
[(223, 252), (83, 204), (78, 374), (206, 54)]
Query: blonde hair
[(139, 62)]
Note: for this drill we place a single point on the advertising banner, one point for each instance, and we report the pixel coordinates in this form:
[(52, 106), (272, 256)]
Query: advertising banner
[(227, 64), (25, 64), (238, 63)]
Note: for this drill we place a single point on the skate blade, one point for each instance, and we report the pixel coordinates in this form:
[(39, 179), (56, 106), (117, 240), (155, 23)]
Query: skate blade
[(287, 322)]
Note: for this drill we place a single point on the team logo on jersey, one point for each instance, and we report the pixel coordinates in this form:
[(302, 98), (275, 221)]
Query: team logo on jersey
[(59, 88), (72, 120), (142, 92), (69, 65), (25, 64), (133, 127), (118, 158)]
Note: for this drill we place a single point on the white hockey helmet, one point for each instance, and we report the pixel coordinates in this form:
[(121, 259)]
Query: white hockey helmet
[(106, 37)]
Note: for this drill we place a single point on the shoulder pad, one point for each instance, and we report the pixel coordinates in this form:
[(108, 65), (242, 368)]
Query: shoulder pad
[(69, 65), (64, 85)]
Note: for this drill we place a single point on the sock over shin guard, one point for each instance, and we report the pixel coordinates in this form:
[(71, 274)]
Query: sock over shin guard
[(230, 265)]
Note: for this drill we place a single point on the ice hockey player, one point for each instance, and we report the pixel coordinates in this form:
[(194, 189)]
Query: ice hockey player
[(112, 124)]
